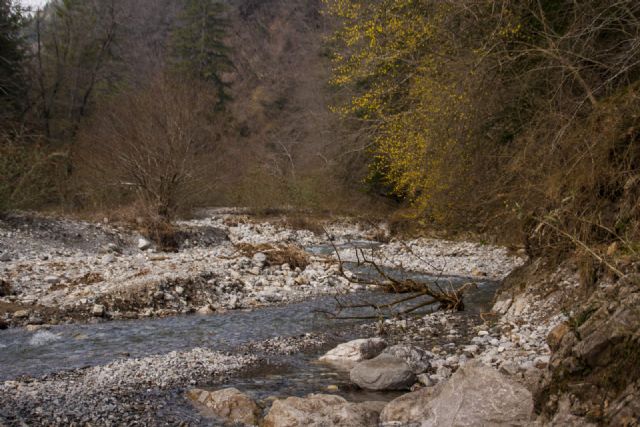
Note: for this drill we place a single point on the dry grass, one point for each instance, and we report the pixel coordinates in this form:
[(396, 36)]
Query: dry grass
[(278, 254), (162, 233), (305, 222)]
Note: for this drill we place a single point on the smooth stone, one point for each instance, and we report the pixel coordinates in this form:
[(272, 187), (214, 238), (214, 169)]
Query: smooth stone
[(346, 355), (205, 310), (384, 372), (21, 314), (144, 244), (417, 358), (52, 280), (475, 395)]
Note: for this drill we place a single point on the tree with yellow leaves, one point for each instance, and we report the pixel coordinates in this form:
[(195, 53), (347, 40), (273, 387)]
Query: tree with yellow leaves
[(404, 72)]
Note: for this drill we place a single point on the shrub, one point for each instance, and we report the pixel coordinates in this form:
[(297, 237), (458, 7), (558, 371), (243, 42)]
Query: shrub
[(156, 146)]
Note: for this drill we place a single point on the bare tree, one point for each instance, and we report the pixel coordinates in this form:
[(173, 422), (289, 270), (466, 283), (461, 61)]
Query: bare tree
[(156, 143)]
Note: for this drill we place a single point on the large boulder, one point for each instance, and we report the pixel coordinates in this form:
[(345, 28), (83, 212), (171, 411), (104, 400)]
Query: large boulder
[(229, 404), (384, 372), (346, 355), (604, 337), (408, 408), (322, 410), (475, 395), (417, 358)]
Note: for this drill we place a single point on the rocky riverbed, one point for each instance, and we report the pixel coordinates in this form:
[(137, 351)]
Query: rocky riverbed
[(62, 271), (58, 270)]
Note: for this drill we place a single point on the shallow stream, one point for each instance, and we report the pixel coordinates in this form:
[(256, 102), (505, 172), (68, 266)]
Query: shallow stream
[(64, 347)]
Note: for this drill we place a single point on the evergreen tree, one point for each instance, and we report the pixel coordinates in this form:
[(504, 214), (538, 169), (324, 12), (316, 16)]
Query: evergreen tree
[(12, 54), (198, 48)]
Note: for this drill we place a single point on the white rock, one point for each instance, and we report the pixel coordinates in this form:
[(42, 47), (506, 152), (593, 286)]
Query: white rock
[(98, 310), (52, 280), (144, 244), (346, 355), (259, 258), (205, 310), (471, 350)]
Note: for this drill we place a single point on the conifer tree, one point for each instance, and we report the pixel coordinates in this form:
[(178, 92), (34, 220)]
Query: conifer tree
[(198, 48), (12, 55)]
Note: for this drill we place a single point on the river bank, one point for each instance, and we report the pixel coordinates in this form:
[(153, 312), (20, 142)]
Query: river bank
[(148, 388), (59, 271)]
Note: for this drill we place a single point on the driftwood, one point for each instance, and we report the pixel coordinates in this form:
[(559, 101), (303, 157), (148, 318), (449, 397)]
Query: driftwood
[(421, 294)]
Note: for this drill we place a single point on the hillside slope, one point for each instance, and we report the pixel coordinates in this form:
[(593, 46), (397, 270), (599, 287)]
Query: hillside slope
[(286, 137)]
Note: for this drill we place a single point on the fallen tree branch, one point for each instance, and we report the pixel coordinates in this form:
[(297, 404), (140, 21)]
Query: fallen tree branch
[(422, 294)]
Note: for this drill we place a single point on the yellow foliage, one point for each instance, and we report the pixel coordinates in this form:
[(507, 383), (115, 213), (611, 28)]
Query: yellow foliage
[(393, 54)]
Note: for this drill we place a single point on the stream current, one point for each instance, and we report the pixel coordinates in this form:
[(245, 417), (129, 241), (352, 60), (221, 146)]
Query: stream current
[(64, 347)]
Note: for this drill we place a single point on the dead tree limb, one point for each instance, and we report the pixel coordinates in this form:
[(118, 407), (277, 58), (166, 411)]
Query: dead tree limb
[(422, 294)]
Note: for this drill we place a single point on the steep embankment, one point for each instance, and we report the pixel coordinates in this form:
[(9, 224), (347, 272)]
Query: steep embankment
[(593, 375)]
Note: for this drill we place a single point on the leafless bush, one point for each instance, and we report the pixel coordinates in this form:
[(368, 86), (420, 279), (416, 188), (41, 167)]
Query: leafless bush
[(162, 232), (302, 221), (156, 145)]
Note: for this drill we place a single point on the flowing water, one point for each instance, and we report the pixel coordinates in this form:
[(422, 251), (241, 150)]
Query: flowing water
[(63, 347)]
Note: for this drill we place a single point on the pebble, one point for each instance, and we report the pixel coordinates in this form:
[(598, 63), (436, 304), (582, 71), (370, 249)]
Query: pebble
[(98, 310), (144, 244)]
